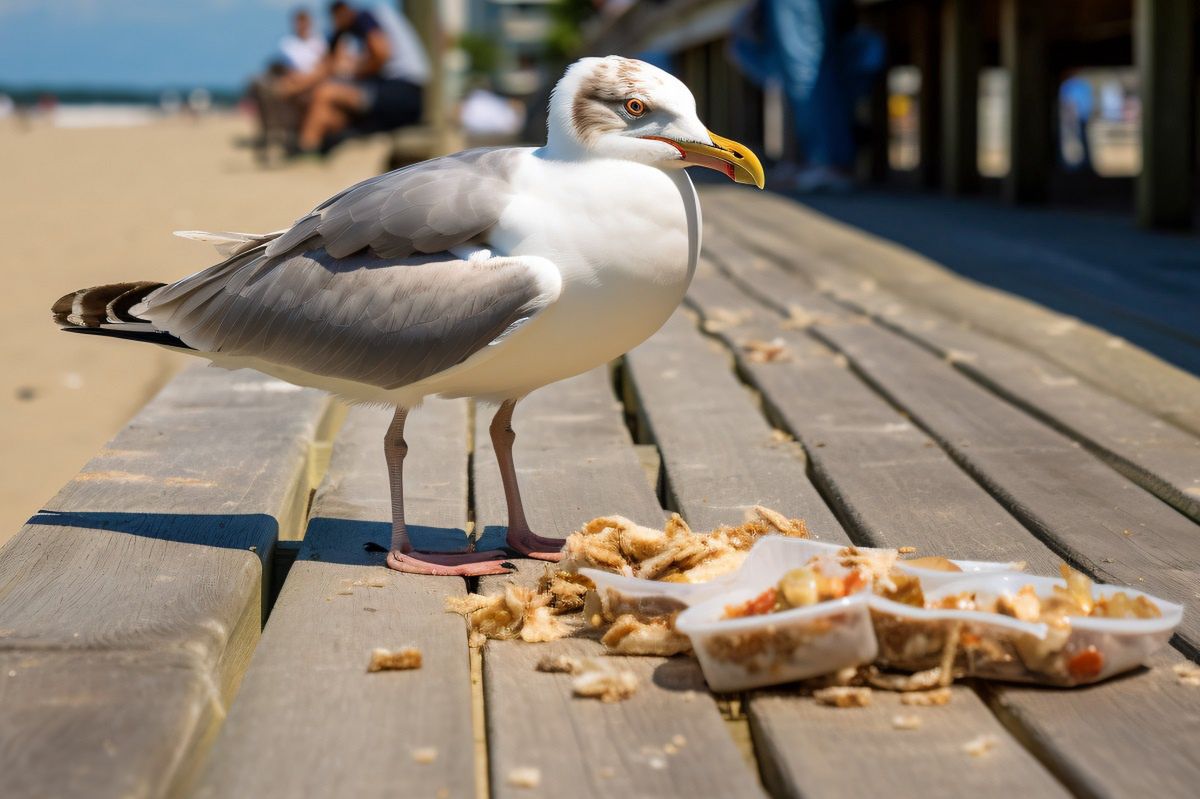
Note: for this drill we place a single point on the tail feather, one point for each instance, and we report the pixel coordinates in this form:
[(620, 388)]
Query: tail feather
[(106, 310)]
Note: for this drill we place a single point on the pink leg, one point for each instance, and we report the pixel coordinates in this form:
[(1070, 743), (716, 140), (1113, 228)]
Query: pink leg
[(402, 557), (520, 537)]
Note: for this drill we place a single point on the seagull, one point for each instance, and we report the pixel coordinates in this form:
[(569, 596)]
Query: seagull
[(488, 274)]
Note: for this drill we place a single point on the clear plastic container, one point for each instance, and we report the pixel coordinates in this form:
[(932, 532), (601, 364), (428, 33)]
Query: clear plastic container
[(750, 652), (935, 578), (999, 647), (652, 597)]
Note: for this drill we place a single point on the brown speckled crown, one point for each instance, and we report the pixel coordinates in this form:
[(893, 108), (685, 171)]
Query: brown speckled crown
[(614, 80)]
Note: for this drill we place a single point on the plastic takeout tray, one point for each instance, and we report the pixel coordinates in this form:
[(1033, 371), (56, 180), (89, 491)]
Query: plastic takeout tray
[(737, 654), (999, 647)]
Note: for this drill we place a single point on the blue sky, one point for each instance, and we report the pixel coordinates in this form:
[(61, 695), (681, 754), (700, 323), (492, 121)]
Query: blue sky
[(140, 43)]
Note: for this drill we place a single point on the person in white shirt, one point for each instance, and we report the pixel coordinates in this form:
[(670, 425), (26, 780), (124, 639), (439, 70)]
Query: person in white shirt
[(302, 49), (385, 88)]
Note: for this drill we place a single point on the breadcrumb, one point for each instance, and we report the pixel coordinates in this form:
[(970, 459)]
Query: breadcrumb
[(980, 746), (604, 682), (843, 696), (906, 550), (397, 660), (525, 777), (1187, 673), (559, 664), (934, 698), (629, 635), (773, 351), (425, 755), (903, 722)]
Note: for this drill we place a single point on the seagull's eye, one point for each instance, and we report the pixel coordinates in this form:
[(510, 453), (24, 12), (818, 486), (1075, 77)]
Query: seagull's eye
[(635, 107)]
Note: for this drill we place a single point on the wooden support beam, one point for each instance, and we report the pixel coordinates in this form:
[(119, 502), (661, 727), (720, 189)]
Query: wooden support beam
[(926, 58), (962, 42), (1023, 55), (1163, 44)]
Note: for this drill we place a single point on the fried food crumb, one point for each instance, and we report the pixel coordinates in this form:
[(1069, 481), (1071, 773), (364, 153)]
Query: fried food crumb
[(758, 351), (525, 777), (397, 660), (604, 682), (425, 755), (903, 722), (934, 698), (1187, 673), (843, 696), (679, 741), (906, 550), (980, 746), (559, 664)]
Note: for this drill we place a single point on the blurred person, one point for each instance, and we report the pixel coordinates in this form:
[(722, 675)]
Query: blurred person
[(280, 112), (1075, 106), (303, 49), (384, 90), (812, 49)]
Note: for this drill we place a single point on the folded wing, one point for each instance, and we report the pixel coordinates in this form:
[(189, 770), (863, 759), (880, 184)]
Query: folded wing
[(366, 287)]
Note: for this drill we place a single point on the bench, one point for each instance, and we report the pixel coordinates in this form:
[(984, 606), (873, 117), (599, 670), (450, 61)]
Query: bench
[(911, 408)]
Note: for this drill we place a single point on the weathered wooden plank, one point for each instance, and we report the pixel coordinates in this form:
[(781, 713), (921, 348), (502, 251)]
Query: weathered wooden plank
[(1148, 450), (1092, 354), (576, 461), (861, 753), (1164, 42), (1153, 453), (724, 456), (310, 720), (890, 482), (1084, 736), (1089, 513), (130, 606)]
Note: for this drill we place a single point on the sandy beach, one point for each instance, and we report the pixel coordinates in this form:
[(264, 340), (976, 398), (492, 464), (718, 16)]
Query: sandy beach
[(85, 206)]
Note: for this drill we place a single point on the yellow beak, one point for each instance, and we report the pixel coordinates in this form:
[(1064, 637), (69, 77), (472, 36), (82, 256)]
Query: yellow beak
[(733, 159)]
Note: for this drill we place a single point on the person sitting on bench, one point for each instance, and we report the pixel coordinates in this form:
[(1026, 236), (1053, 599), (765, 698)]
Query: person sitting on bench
[(383, 92)]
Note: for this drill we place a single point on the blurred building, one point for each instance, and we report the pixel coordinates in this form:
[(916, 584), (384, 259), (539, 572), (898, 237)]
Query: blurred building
[(518, 32)]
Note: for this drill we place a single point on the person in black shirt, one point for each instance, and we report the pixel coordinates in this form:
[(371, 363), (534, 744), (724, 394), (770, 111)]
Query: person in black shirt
[(384, 89)]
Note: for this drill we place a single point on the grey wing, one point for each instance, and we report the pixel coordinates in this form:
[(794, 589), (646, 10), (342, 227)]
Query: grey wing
[(425, 208), (364, 288), (382, 322)]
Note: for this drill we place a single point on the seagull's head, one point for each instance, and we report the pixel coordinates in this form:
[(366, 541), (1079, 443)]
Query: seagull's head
[(618, 107)]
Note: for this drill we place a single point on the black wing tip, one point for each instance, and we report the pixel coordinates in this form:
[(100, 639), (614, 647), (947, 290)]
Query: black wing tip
[(146, 336)]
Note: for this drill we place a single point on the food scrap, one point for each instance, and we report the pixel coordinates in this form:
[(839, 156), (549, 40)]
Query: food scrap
[(773, 351), (398, 660), (675, 553), (799, 588), (525, 777), (935, 698), (1187, 673), (906, 722), (843, 696), (559, 664), (980, 746), (630, 635), (518, 612), (425, 755), (603, 681)]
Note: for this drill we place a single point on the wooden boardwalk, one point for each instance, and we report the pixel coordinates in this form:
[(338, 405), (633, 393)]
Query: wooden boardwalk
[(910, 407)]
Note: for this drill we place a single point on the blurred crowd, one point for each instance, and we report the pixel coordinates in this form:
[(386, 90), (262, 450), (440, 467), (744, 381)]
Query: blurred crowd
[(366, 75)]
